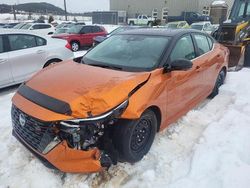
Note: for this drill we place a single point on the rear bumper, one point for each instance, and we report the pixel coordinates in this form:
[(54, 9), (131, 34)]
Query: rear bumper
[(66, 159)]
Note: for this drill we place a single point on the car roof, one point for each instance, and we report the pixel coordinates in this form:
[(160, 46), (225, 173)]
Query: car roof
[(20, 31), (160, 32)]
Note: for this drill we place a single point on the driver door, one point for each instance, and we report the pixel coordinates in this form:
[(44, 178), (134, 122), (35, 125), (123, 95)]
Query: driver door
[(86, 37), (183, 87)]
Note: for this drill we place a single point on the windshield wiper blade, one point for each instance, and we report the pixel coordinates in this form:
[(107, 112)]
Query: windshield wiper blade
[(106, 66)]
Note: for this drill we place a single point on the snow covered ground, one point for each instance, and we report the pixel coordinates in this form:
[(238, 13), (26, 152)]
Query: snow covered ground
[(207, 148)]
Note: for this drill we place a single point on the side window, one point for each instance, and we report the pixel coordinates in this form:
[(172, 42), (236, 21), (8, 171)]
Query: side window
[(36, 27), (210, 42), (18, 42), (202, 44), (96, 29), (45, 26), (184, 49), (1, 44), (86, 29), (144, 17), (40, 41)]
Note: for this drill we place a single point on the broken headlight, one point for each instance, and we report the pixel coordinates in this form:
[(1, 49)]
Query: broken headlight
[(85, 133), (109, 116)]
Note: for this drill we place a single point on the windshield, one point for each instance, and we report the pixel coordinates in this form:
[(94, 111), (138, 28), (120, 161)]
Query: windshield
[(172, 26), (197, 27), (128, 52), (240, 10), (75, 29), (27, 26), (18, 26), (62, 30)]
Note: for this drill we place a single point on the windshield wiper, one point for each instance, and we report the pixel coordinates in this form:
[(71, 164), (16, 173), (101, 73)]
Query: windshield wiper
[(106, 66)]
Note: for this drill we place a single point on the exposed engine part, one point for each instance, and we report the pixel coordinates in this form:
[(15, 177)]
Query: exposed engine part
[(91, 136), (83, 137)]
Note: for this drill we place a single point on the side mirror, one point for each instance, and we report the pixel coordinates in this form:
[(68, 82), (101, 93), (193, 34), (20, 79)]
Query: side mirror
[(179, 65)]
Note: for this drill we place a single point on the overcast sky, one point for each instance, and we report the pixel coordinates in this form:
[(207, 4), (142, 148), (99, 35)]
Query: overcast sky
[(72, 5)]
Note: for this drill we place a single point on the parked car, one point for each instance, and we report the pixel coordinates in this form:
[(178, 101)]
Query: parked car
[(190, 17), (141, 20), (81, 35), (10, 25), (203, 26), (40, 28), (23, 53), (178, 25), (108, 108), (99, 39)]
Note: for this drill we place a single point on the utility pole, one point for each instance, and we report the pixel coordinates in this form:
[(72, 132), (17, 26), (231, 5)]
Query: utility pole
[(65, 9)]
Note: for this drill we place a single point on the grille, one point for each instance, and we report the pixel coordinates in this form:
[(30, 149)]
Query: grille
[(34, 132)]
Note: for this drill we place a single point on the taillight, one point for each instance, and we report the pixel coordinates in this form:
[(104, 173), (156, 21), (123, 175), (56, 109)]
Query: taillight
[(68, 46)]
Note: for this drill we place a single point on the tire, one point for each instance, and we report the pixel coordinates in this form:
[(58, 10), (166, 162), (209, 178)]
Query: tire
[(131, 23), (150, 24), (247, 57), (133, 138), (75, 46), (219, 82)]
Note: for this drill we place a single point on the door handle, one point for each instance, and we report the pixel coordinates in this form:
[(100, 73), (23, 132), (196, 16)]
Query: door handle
[(2, 61), (40, 51)]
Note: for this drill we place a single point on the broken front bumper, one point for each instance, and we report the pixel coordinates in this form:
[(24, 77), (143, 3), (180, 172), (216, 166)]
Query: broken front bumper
[(66, 159)]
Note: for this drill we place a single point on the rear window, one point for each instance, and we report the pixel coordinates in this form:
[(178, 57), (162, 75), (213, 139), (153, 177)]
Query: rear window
[(97, 29), (40, 41), (202, 44)]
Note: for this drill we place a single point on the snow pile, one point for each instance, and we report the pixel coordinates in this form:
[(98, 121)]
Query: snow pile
[(207, 148)]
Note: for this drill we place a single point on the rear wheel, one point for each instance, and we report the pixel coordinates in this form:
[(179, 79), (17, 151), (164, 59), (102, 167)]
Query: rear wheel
[(219, 82), (133, 138), (75, 46)]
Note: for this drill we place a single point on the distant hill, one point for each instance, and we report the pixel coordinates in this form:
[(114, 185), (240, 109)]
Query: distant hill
[(33, 7)]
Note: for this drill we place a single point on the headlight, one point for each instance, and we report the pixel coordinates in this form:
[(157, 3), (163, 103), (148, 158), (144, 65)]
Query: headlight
[(108, 116)]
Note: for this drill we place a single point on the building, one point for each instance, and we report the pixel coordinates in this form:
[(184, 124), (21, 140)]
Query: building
[(161, 8)]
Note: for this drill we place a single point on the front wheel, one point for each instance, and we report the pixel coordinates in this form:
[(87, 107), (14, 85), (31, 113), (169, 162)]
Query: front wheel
[(133, 138), (219, 82)]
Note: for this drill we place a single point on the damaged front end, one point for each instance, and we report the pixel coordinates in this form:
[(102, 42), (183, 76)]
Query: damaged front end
[(85, 144), (93, 132)]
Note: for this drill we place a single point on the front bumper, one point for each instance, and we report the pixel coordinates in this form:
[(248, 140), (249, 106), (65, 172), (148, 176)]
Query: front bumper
[(66, 159)]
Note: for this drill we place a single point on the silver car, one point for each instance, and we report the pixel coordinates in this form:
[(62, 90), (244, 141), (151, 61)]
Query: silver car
[(24, 53)]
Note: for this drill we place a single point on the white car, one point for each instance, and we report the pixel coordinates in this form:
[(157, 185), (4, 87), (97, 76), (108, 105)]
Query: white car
[(40, 28), (203, 26), (24, 53)]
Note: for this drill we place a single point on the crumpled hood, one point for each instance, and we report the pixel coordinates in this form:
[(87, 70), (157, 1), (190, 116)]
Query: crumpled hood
[(87, 89)]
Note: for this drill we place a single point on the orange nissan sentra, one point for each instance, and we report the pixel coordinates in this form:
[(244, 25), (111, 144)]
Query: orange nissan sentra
[(86, 116)]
